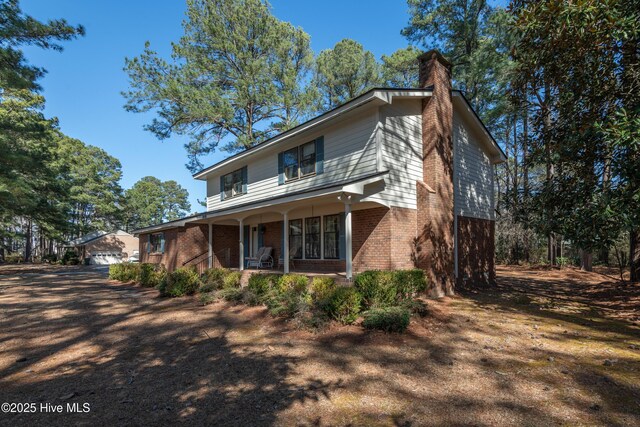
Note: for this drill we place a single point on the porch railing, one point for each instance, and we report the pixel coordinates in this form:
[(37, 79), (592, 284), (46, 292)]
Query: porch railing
[(221, 258)]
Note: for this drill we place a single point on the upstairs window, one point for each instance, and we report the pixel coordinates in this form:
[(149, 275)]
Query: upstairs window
[(233, 184), (301, 161)]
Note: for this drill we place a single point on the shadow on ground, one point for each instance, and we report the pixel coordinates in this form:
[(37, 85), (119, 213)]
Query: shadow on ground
[(526, 352)]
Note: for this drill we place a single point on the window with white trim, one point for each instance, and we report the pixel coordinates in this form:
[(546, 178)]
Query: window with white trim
[(233, 184), (300, 161)]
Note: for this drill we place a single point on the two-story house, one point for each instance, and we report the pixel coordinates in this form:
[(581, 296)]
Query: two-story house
[(393, 179)]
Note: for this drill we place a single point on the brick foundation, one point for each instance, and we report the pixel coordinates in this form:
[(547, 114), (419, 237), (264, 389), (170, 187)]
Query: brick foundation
[(476, 251)]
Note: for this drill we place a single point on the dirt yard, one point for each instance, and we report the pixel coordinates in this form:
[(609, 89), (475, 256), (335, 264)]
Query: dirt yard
[(543, 348)]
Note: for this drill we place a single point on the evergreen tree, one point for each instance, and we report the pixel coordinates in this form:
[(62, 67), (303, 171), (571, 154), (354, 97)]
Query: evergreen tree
[(344, 72), (400, 69), (237, 72)]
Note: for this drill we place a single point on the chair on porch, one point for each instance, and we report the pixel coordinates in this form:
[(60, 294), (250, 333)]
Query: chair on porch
[(292, 265), (263, 258)]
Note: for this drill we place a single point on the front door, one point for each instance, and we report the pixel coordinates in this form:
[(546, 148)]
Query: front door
[(254, 241)]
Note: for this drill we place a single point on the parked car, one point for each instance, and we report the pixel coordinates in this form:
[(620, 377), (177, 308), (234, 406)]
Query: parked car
[(135, 257)]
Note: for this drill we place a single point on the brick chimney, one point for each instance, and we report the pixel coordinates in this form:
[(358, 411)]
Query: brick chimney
[(435, 222)]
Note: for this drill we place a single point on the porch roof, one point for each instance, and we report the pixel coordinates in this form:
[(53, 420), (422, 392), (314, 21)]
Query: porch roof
[(353, 187)]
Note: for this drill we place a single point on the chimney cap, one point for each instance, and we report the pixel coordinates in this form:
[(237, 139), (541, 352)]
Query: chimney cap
[(435, 53)]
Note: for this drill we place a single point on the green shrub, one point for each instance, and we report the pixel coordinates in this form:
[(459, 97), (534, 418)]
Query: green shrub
[(409, 283), (232, 280), (344, 304), (182, 281), (416, 306), (125, 272), (148, 275), (207, 298), (389, 288), (70, 257), (293, 282), (249, 297), (287, 303), (213, 279), (50, 258), (377, 288), (389, 319), (14, 258), (231, 294), (260, 284), (321, 290)]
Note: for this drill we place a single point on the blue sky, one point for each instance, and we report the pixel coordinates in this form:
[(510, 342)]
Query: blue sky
[(83, 84)]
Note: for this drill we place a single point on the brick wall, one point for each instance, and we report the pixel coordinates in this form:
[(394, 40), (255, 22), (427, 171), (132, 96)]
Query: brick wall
[(185, 243), (383, 238), (272, 236), (435, 234), (226, 237), (476, 251)]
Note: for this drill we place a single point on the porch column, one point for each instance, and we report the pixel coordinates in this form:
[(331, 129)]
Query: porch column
[(210, 245), (241, 221), (285, 250), (347, 235)]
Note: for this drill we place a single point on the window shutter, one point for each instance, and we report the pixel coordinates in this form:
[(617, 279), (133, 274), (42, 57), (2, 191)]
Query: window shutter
[(343, 239), (162, 243), (221, 188), (280, 168), (245, 180), (149, 243), (319, 155)]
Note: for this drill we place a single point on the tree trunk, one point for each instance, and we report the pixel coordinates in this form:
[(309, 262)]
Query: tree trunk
[(586, 260), (29, 242), (551, 249), (634, 255)]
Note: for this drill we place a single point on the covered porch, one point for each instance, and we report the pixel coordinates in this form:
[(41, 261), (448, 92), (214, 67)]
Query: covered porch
[(310, 234)]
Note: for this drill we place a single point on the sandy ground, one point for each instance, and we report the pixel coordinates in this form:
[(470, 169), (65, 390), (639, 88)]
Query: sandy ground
[(543, 348)]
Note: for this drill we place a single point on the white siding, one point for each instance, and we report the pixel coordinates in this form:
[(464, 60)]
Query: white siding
[(400, 152), (473, 180), (349, 153)]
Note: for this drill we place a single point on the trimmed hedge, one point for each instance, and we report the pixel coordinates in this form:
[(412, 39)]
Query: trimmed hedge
[(231, 294), (125, 272), (151, 275), (288, 296), (261, 284), (388, 319), (389, 288), (182, 281), (213, 279)]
